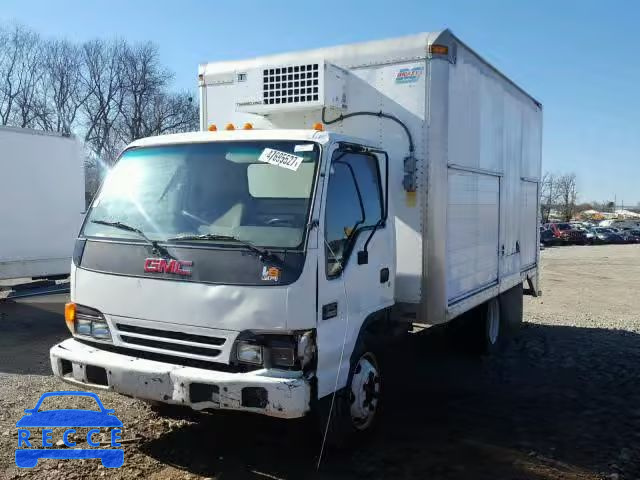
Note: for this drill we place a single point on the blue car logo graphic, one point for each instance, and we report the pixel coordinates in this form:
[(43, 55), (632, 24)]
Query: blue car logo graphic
[(68, 418)]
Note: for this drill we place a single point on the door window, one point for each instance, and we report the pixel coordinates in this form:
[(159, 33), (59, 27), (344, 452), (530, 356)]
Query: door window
[(354, 203)]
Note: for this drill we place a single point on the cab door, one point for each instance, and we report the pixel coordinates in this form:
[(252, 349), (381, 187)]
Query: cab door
[(355, 259)]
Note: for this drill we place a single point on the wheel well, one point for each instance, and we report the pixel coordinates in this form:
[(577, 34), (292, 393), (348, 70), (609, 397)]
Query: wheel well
[(376, 324)]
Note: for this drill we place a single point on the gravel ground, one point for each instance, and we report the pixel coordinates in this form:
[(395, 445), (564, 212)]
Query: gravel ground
[(561, 402)]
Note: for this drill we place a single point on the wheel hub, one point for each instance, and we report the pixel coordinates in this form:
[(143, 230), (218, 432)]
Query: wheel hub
[(365, 391)]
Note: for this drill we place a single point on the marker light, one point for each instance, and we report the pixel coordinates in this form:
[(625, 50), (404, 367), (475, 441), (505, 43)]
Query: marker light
[(247, 126), (213, 128), (318, 126), (438, 49), (229, 126), (70, 315)]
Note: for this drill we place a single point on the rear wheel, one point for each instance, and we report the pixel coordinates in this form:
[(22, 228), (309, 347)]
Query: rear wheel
[(511, 309), (480, 330), (493, 331)]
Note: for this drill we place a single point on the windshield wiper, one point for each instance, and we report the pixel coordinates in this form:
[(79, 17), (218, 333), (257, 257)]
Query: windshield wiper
[(263, 252), (157, 248)]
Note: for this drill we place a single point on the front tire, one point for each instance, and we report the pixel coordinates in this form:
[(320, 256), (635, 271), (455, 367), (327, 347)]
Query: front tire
[(364, 392), (356, 408)]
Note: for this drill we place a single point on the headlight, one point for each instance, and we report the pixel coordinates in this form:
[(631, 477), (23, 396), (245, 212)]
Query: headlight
[(292, 351), (86, 322), (249, 353)]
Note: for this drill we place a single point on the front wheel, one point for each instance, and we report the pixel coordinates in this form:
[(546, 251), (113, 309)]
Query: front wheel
[(364, 392), (356, 408)]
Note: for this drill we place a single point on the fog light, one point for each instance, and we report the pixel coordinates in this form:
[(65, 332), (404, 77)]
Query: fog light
[(249, 353)]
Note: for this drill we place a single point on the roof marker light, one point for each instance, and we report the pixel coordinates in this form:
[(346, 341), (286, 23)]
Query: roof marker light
[(438, 49), (318, 126), (213, 128), (229, 126), (247, 126)]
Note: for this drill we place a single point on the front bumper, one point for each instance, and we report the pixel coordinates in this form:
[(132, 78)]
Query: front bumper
[(270, 392)]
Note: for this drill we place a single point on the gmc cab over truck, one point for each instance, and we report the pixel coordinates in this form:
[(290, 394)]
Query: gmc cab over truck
[(332, 198)]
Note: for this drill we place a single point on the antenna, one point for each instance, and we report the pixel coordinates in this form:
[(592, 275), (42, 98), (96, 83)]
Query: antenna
[(344, 341)]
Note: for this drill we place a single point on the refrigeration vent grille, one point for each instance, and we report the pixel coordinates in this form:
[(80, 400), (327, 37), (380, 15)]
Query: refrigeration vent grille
[(291, 84)]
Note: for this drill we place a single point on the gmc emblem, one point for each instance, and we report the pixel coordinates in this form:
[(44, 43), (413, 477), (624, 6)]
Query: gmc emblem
[(160, 265)]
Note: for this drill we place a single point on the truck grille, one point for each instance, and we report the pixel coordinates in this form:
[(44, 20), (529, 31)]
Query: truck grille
[(290, 84), (171, 342), (176, 347), (173, 335)]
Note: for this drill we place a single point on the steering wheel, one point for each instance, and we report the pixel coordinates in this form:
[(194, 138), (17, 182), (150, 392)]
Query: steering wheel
[(275, 221)]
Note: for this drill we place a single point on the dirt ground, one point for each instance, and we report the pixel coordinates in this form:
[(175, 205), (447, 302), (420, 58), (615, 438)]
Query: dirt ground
[(561, 402)]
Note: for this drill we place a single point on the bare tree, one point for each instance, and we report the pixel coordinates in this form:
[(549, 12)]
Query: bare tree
[(170, 113), (549, 195), (107, 92), (103, 81), (144, 81), (568, 193), (20, 73), (63, 91)]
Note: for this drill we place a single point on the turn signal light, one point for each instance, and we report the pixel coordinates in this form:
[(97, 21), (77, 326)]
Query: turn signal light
[(247, 126), (318, 126), (70, 315), (213, 128), (229, 126)]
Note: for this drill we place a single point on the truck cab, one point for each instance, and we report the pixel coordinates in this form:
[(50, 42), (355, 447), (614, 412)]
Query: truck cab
[(233, 270)]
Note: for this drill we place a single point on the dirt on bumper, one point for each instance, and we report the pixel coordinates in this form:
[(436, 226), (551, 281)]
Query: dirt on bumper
[(286, 395)]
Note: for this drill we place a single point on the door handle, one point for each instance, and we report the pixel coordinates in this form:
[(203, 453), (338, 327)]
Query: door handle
[(384, 275), (330, 310)]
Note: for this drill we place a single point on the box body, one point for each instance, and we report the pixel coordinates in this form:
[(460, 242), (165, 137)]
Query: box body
[(465, 200), (41, 202)]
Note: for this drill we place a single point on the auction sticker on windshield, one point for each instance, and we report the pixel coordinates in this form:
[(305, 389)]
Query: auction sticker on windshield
[(280, 159)]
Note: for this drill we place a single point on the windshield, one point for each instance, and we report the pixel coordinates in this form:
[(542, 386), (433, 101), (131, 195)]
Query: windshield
[(258, 192)]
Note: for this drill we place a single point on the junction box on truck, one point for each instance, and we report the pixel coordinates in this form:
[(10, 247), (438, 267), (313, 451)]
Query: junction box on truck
[(332, 197), (42, 201)]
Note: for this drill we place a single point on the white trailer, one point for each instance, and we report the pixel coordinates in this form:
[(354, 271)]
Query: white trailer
[(41, 202), (333, 197)]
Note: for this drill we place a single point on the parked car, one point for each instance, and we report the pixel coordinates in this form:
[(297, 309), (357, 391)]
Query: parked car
[(630, 235), (607, 235), (547, 237), (567, 234)]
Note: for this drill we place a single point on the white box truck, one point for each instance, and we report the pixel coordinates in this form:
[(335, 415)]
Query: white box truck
[(42, 201), (333, 197)]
